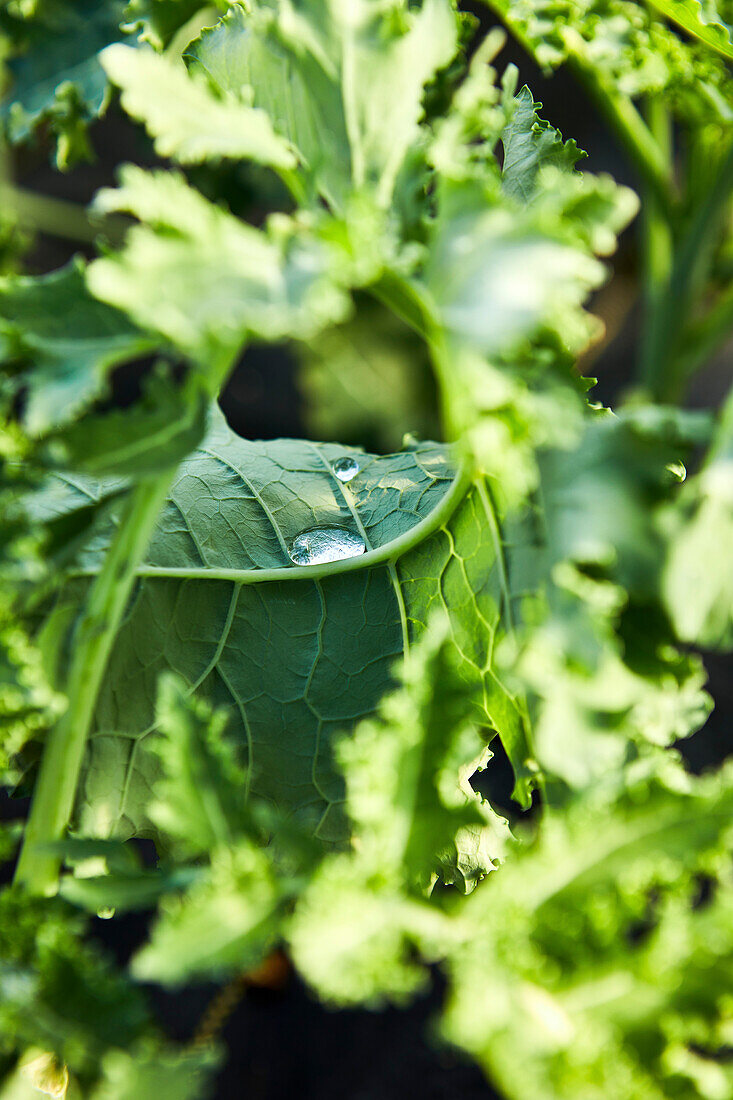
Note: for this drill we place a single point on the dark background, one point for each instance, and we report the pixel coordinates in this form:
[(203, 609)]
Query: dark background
[(281, 1042)]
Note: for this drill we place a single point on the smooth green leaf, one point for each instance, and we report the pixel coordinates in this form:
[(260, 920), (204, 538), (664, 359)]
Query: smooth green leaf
[(186, 119), (295, 653)]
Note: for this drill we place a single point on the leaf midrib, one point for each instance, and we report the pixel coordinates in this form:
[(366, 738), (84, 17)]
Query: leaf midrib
[(389, 553)]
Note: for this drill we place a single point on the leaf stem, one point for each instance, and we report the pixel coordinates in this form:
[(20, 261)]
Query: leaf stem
[(703, 337), (657, 240), (390, 552), (55, 790), (58, 218), (663, 374)]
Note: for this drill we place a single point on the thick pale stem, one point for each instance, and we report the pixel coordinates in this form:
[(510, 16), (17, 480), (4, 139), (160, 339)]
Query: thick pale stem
[(55, 791)]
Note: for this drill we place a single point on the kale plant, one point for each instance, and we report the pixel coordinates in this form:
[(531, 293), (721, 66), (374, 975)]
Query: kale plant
[(286, 662)]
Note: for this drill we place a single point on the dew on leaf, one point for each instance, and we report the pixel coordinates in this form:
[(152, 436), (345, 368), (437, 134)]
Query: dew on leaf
[(345, 468), (319, 545)]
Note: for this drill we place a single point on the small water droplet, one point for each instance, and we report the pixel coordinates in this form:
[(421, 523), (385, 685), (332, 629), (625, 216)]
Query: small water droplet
[(345, 468), (323, 544), (106, 912)]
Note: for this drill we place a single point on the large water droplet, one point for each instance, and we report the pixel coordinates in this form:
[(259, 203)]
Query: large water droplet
[(345, 468), (106, 912), (324, 544)]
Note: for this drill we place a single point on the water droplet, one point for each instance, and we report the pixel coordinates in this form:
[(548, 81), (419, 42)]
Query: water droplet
[(345, 468), (106, 912), (324, 544)]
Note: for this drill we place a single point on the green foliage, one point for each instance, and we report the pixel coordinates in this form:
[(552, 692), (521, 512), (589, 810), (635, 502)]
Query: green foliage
[(327, 75), (158, 20), (697, 584), (700, 19), (630, 46), (297, 718), (152, 1073), (595, 961), (71, 340), (213, 587), (59, 994), (205, 280), (368, 382), (55, 72), (152, 86)]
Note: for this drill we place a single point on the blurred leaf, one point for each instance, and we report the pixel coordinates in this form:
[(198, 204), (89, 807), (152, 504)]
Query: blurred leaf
[(403, 794), (200, 801), (591, 964), (226, 923), (109, 875), (186, 119), (629, 48), (67, 342), (700, 18), (329, 75), (159, 430), (157, 21), (360, 919), (608, 682), (206, 280), (28, 702), (56, 75), (151, 1072), (697, 580), (56, 992)]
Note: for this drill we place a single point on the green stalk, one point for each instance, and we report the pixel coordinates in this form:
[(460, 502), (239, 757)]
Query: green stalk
[(663, 374), (657, 242), (704, 337), (55, 791), (57, 217)]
